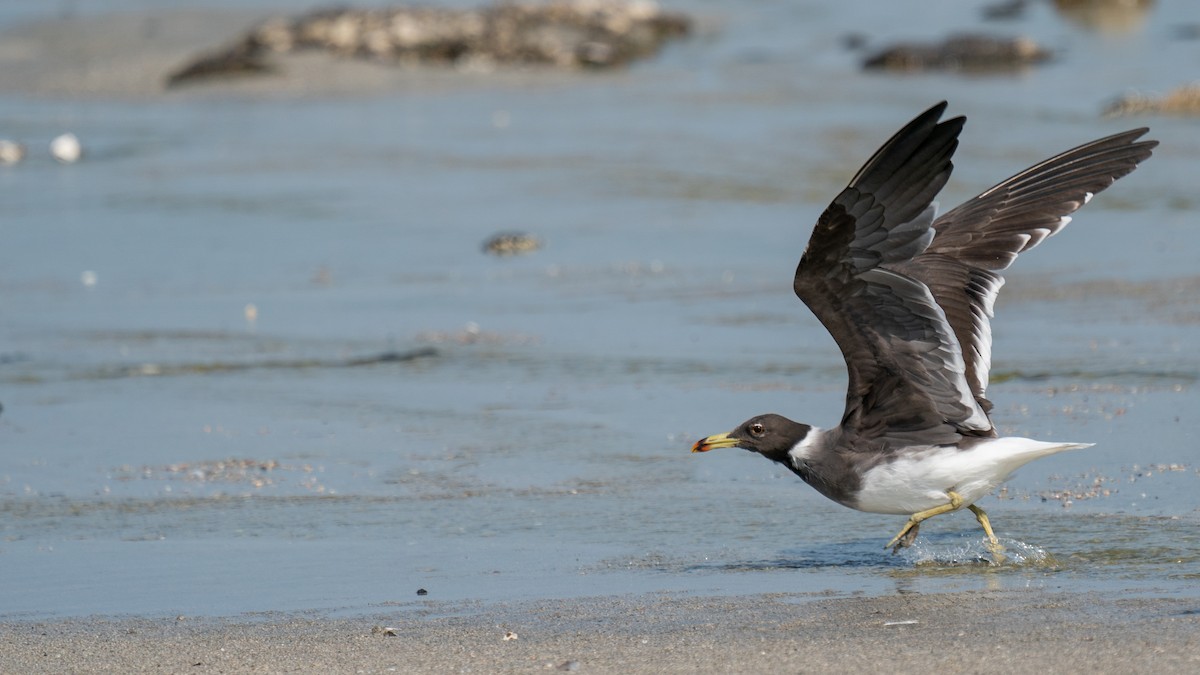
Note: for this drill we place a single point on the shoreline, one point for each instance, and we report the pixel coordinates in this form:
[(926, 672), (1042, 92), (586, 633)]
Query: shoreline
[(130, 56), (966, 631)]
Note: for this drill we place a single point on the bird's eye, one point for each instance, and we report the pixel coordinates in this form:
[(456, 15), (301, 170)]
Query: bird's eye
[(757, 429)]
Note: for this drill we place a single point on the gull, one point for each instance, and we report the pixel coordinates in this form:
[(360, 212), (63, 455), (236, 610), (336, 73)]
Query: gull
[(908, 296)]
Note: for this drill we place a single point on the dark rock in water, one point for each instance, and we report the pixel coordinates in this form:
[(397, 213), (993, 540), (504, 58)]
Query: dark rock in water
[(391, 357), (560, 33), (511, 243), (854, 41), (968, 53), (242, 58), (1186, 31), (1005, 10)]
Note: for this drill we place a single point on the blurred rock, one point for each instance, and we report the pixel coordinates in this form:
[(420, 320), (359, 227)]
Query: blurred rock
[(854, 41), (968, 53), (511, 243), (1186, 31), (560, 33), (1005, 10), (242, 58), (1106, 16), (1183, 102)]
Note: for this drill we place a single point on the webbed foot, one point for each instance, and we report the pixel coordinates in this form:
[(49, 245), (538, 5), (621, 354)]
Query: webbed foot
[(909, 534), (906, 537)]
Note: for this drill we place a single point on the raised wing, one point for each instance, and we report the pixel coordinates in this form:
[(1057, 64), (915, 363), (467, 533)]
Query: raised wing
[(984, 235), (906, 370)]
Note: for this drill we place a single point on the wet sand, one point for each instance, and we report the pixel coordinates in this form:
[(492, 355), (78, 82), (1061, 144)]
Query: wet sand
[(967, 632)]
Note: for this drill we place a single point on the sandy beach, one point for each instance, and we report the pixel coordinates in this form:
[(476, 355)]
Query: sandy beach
[(971, 632)]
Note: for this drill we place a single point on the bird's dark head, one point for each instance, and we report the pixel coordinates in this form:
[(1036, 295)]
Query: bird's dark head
[(772, 436)]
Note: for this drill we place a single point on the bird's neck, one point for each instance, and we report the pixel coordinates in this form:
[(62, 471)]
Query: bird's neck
[(814, 460), (803, 453)]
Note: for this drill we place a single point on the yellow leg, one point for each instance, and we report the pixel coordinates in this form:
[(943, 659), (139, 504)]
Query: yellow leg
[(993, 543), (909, 533), (987, 525)]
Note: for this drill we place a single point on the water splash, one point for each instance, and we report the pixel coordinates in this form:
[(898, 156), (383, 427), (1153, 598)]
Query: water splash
[(970, 551)]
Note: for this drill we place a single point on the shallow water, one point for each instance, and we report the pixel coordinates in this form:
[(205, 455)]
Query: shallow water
[(162, 454)]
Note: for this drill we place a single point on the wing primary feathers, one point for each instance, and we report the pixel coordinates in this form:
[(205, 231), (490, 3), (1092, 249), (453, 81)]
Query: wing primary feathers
[(984, 235)]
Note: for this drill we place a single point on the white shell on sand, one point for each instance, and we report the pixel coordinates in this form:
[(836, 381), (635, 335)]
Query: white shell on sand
[(66, 148), (11, 152)]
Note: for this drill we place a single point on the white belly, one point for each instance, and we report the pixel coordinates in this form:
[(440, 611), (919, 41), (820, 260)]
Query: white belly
[(918, 482)]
